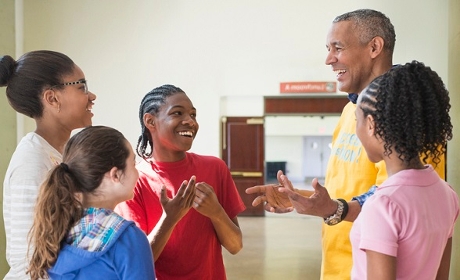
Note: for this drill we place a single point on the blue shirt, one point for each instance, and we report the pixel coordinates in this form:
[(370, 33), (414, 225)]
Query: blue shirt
[(362, 198), (127, 256)]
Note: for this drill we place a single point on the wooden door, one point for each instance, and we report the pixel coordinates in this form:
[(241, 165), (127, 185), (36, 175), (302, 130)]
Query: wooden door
[(243, 151)]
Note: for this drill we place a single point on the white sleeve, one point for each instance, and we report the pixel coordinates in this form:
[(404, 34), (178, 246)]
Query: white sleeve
[(20, 191)]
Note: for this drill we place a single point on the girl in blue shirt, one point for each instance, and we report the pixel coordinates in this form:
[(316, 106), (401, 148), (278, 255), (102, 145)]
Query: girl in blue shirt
[(76, 234)]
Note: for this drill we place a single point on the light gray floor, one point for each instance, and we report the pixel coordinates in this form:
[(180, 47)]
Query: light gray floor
[(277, 246)]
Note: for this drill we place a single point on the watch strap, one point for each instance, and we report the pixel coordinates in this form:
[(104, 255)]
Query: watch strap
[(337, 216), (345, 209)]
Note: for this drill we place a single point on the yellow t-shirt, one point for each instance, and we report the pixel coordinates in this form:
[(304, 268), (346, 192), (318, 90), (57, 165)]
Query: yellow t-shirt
[(349, 173)]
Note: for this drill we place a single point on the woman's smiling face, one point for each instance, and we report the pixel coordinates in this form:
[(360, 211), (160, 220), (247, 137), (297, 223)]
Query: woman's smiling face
[(76, 101)]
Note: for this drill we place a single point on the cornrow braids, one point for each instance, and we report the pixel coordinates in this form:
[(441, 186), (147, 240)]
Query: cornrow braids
[(151, 103), (410, 106)]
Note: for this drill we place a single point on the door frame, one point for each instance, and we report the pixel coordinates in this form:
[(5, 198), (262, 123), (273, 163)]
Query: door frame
[(285, 105)]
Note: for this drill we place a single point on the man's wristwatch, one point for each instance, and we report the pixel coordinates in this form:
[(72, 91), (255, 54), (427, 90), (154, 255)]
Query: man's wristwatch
[(339, 215)]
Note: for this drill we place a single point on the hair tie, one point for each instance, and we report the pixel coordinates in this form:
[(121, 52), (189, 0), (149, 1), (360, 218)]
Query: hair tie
[(65, 167)]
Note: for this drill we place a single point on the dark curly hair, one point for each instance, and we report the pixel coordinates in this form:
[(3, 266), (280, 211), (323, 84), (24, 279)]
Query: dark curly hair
[(151, 103), (410, 106)]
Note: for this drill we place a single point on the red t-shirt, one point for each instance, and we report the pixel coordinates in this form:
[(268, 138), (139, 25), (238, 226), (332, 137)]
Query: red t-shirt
[(193, 251)]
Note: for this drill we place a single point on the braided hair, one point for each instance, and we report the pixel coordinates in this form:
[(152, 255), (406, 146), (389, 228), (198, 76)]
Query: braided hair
[(151, 104), (410, 106)]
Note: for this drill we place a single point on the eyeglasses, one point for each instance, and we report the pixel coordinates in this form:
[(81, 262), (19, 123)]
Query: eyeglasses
[(84, 82)]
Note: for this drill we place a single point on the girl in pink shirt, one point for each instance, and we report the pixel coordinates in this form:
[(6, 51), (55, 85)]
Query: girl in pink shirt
[(405, 230)]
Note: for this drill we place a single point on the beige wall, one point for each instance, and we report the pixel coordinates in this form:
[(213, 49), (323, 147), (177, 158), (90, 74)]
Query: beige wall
[(453, 158), (212, 49), (7, 114)]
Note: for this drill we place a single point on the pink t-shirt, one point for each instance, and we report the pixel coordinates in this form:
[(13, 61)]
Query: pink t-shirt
[(411, 216), (193, 251)]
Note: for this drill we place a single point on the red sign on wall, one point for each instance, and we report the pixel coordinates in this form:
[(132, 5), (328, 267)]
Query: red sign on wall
[(308, 87)]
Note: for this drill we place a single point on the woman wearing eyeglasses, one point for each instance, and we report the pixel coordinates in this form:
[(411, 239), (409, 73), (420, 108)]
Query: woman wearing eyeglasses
[(50, 88)]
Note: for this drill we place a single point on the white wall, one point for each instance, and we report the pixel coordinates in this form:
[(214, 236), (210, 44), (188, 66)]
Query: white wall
[(300, 125), (214, 50), (284, 140), (453, 160)]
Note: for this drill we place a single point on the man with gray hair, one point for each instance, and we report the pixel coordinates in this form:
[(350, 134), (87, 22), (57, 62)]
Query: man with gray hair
[(360, 48)]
